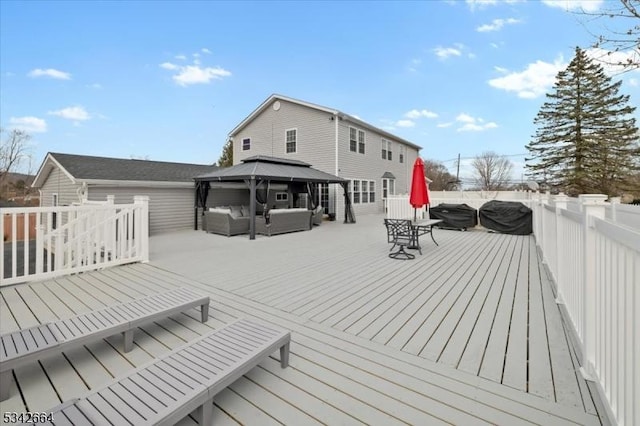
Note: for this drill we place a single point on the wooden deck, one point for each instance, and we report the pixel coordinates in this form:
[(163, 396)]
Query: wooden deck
[(468, 333)]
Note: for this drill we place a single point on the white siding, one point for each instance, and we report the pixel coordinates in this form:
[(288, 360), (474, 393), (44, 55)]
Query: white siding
[(58, 183), (315, 136), (371, 166), (316, 145), (170, 209)]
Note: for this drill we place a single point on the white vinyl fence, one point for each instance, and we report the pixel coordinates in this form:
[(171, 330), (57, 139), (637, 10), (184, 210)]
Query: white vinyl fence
[(592, 251), (43, 242), (595, 264)]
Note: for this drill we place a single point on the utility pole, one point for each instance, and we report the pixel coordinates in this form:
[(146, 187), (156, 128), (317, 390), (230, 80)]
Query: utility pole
[(458, 174)]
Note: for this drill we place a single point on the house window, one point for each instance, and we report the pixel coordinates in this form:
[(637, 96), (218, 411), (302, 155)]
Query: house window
[(356, 140), (353, 139), (282, 196), (388, 187), (386, 150), (403, 149), (54, 199), (246, 144), (363, 191), (356, 192), (291, 138)]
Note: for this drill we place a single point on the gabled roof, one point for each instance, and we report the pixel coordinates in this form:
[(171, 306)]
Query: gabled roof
[(267, 103), (275, 169), (105, 170)]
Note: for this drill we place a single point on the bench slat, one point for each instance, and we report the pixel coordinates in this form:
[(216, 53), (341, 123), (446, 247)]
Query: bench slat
[(158, 388), (169, 388), (25, 346), (149, 395), (128, 407)]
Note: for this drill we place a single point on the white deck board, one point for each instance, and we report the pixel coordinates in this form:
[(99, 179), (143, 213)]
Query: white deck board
[(351, 310)]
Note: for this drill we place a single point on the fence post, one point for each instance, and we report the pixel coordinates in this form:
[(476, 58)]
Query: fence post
[(615, 202), (592, 206), (143, 201), (560, 202), (39, 245)]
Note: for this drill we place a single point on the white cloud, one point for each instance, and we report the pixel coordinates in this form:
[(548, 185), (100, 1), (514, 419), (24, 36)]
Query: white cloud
[(473, 124), (169, 66), (205, 50), (533, 82), (465, 118), (586, 5), (414, 113), (75, 113), (446, 52), (28, 124), (95, 86), (480, 3), (610, 59), (501, 70), (405, 123), (633, 82), (444, 125), (497, 24), (181, 57), (195, 73), (49, 72)]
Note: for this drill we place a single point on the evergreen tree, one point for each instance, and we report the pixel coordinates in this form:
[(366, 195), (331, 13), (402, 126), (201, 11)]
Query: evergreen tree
[(226, 158), (586, 140)]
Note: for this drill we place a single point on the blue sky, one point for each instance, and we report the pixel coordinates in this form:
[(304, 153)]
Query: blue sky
[(168, 80)]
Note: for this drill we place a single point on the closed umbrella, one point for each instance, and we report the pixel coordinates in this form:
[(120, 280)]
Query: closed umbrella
[(418, 197)]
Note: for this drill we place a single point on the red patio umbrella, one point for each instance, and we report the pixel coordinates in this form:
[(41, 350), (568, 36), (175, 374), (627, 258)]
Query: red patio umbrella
[(418, 196)]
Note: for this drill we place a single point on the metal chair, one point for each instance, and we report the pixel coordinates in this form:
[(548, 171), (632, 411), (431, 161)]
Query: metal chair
[(400, 233)]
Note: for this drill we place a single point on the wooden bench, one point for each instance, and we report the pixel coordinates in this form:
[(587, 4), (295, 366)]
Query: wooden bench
[(167, 389), (22, 347)]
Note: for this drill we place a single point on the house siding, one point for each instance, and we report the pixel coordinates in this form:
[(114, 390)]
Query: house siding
[(316, 145), (170, 209), (57, 182), (370, 166), (267, 133)]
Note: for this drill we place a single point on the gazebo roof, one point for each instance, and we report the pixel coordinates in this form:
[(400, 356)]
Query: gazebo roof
[(275, 169)]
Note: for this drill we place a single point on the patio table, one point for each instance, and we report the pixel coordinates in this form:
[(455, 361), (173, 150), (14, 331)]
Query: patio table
[(421, 227)]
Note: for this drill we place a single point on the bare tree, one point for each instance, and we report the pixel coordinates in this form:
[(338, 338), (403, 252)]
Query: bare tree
[(14, 149), (620, 42), (491, 171), (441, 179)]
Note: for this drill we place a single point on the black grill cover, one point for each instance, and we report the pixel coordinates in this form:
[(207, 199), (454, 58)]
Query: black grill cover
[(508, 217), (457, 216)]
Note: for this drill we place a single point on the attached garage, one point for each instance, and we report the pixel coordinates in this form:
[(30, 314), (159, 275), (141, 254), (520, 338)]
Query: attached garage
[(65, 179)]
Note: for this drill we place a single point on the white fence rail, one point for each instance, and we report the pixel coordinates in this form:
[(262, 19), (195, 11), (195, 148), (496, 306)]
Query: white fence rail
[(398, 207), (43, 242), (595, 264)]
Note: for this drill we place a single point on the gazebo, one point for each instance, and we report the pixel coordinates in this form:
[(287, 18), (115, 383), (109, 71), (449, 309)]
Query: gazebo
[(263, 170)]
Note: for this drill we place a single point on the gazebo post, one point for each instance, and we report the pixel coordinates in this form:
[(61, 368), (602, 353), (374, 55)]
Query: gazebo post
[(252, 208)]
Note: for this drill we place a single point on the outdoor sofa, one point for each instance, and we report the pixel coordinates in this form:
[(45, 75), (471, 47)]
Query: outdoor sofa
[(280, 221), (229, 220)]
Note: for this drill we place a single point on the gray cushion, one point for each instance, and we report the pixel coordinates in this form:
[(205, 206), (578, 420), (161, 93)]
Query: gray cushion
[(236, 212)]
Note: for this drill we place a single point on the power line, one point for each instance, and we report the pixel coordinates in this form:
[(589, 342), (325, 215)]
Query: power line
[(474, 157)]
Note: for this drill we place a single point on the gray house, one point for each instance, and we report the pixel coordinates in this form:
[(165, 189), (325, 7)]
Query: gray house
[(375, 162), (64, 179)]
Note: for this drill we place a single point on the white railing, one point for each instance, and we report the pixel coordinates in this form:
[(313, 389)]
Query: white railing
[(43, 242), (595, 264), (398, 207)]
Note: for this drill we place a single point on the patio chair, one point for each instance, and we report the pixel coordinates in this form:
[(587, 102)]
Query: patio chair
[(400, 233)]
